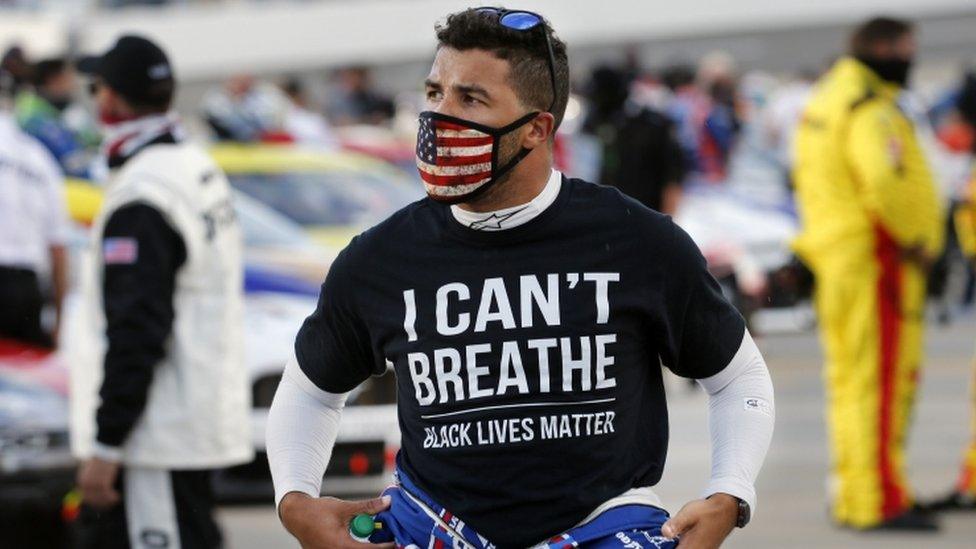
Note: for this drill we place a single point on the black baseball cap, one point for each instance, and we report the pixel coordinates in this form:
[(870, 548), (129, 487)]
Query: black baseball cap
[(136, 68)]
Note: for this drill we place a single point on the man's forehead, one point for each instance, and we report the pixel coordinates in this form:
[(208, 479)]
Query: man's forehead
[(467, 67)]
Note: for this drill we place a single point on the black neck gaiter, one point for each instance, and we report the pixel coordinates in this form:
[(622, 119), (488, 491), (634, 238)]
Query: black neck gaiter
[(891, 69)]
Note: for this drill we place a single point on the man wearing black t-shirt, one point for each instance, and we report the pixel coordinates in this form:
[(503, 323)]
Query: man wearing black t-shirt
[(526, 316)]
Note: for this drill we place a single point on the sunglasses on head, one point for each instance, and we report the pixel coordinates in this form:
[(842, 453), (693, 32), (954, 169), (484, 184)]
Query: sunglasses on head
[(520, 20)]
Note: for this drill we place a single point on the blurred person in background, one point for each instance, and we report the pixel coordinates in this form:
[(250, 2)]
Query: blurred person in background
[(717, 78), (648, 90), (952, 129), (16, 68), (304, 124), (246, 110), (688, 109), (33, 230), (159, 391), (782, 116), (640, 154), (963, 496), (872, 225), (404, 295), (42, 111), (702, 107), (357, 102)]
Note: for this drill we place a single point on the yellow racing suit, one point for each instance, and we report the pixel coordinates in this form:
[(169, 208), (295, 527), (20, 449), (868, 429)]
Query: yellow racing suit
[(965, 220), (866, 198)]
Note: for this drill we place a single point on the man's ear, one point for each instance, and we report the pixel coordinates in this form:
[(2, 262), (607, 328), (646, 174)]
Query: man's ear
[(539, 130)]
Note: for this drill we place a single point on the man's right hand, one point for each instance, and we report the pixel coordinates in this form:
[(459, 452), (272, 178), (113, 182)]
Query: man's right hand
[(323, 523)]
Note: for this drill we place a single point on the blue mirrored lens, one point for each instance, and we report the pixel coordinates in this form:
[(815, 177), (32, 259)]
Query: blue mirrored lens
[(520, 20)]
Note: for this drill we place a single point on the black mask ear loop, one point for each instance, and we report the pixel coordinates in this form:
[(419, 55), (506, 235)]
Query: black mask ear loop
[(496, 172)]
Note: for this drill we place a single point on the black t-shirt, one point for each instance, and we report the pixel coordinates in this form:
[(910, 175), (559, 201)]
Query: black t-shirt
[(527, 360)]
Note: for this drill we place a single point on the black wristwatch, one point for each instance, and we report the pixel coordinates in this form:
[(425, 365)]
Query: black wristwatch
[(745, 513)]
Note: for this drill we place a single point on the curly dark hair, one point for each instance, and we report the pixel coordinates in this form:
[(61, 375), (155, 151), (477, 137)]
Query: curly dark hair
[(46, 69), (879, 30), (525, 52)]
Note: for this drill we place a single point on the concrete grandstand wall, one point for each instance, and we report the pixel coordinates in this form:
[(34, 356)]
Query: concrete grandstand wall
[(209, 40)]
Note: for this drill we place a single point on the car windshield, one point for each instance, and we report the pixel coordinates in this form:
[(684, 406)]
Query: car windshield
[(266, 228), (335, 198)]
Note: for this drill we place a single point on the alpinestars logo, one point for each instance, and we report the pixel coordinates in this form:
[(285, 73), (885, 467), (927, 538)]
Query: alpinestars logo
[(494, 221)]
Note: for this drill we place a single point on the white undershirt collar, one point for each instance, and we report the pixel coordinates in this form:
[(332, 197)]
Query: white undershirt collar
[(508, 218)]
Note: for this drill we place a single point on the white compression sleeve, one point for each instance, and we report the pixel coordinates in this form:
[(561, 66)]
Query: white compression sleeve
[(302, 427), (741, 413)]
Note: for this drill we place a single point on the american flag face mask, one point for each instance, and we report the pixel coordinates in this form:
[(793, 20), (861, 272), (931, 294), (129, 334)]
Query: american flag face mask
[(458, 159)]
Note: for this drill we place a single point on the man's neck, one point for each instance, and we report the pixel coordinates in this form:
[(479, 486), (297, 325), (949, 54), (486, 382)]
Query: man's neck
[(514, 216), (525, 183)]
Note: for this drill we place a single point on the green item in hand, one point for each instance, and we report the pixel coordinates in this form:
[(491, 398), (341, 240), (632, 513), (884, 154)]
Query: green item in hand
[(362, 526)]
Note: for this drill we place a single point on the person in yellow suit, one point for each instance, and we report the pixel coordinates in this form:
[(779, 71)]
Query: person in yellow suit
[(963, 496), (872, 224)]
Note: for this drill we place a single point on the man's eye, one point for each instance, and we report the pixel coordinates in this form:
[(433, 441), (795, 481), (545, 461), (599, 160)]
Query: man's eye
[(472, 100), (433, 95)]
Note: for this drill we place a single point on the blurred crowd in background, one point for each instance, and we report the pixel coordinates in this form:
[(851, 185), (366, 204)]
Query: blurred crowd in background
[(708, 110), (705, 121), (699, 138)]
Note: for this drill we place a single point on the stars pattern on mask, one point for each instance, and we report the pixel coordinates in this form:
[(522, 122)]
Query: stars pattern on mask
[(426, 142)]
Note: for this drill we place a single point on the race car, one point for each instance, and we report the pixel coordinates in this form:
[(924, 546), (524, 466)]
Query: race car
[(744, 240), (395, 147), (744, 229), (332, 195), (37, 470)]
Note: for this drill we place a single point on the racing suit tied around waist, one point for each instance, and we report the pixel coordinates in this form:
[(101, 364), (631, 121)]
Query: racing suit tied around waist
[(416, 520)]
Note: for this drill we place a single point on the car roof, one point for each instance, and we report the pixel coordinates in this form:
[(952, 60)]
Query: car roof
[(84, 199), (250, 158)]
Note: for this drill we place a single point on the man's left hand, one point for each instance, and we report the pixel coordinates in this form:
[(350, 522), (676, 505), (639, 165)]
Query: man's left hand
[(703, 523), (96, 479)]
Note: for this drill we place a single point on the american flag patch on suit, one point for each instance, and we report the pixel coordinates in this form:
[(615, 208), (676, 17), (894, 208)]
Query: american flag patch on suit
[(120, 251)]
